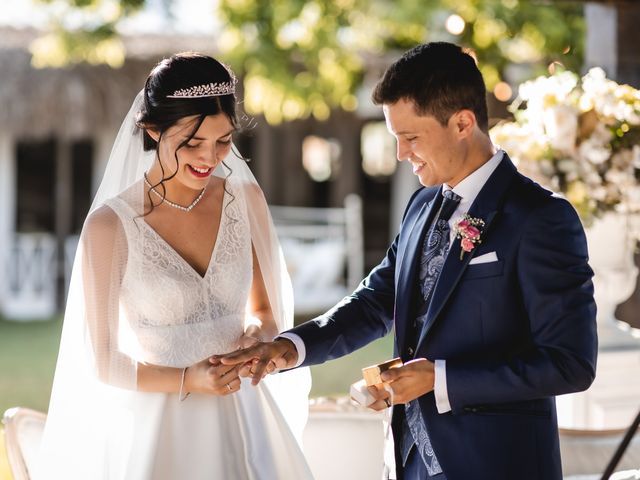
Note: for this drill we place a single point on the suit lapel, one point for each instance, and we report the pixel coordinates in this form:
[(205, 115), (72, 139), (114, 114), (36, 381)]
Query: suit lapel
[(408, 267), (486, 206)]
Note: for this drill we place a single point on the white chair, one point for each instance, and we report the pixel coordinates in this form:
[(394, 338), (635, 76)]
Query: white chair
[(323, 248), (23, 429)]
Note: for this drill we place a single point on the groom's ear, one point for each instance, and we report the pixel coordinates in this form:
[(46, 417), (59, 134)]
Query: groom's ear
[(464, 122)]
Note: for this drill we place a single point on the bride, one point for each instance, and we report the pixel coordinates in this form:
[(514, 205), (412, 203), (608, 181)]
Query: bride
[(178, 261)]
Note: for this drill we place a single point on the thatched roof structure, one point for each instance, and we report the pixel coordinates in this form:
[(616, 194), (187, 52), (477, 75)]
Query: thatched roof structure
[(73, 102)]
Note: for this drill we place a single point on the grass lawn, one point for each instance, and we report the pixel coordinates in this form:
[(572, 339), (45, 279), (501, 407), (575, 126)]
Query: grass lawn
[(27, 360), (28, 353)]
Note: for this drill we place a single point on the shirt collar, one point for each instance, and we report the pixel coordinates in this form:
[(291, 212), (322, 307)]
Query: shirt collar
[(471, 185)]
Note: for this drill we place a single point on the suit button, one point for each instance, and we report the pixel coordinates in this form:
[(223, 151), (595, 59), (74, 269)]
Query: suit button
[(410, 351)]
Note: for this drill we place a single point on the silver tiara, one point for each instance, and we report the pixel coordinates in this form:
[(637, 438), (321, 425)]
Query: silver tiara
[(214, 89), (208, 90)]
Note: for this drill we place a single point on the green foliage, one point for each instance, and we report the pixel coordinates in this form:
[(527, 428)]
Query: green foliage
[(83, 31), (292, 55), (306, 57), (524, 32), (127, 6), (63, 47)]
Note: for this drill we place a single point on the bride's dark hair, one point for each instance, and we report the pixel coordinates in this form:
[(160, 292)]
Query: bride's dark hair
[(181, 71)]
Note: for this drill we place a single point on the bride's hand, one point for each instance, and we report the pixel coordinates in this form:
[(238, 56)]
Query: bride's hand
[(247, 340), (250, 338), (212, 378)]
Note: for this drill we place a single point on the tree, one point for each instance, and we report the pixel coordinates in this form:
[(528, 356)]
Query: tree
[(305, 57)]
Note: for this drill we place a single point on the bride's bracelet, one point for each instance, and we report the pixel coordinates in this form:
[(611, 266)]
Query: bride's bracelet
[(180, 395)]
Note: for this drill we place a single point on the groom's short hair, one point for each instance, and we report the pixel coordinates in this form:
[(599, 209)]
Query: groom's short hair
[(440, 78)]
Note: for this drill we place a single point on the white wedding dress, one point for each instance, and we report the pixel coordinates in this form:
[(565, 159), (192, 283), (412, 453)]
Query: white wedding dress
[(132, 299), (176, 318)]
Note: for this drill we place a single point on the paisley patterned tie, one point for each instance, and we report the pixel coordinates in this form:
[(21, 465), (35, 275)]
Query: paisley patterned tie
[(434, 253)]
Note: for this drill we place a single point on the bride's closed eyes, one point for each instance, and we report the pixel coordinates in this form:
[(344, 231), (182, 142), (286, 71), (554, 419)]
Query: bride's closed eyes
[(226, 141)]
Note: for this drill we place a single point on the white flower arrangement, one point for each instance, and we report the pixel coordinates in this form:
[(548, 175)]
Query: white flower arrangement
[(578, 137)]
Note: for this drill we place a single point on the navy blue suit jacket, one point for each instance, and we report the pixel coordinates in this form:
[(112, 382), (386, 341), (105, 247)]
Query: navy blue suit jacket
[(514, 333)]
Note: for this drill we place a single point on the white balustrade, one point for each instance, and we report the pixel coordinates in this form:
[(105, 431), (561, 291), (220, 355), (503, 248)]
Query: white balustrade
[(30, 272), (29, 265), (323, 249)]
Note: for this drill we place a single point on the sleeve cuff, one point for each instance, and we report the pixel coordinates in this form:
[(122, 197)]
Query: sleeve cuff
[(440, 387), (299, 344)]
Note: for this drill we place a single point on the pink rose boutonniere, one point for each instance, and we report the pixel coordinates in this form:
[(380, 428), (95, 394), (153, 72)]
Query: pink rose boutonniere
[(468, 230)]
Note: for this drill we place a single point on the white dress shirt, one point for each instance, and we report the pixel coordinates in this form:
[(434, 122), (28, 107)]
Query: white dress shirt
[(468, 190)]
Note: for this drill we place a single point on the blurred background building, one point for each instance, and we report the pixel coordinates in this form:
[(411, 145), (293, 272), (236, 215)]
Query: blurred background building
[(68, 75)]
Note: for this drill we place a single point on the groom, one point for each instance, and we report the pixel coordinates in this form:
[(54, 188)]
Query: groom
[(487, 286)]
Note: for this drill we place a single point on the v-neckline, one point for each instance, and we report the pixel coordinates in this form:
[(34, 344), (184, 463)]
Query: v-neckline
[(190, 267)]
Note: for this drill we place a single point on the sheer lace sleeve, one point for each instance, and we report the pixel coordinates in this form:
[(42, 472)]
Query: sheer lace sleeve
[(95, 382), (104, 259), (290, 390), (269, 256)]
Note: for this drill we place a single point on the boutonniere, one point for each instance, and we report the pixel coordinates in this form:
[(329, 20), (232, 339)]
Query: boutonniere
[(468, 230)]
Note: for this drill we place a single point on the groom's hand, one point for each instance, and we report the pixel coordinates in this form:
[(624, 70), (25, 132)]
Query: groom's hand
[(408, 382), (263, 358)]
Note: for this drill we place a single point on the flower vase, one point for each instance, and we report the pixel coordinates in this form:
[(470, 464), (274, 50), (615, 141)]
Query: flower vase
[(611, 251)]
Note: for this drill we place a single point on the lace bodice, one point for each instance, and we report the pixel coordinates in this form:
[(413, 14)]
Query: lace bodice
[(178, 317)]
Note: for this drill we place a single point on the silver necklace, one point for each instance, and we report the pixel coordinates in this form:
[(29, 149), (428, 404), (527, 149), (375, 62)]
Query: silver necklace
[(170, 203)]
